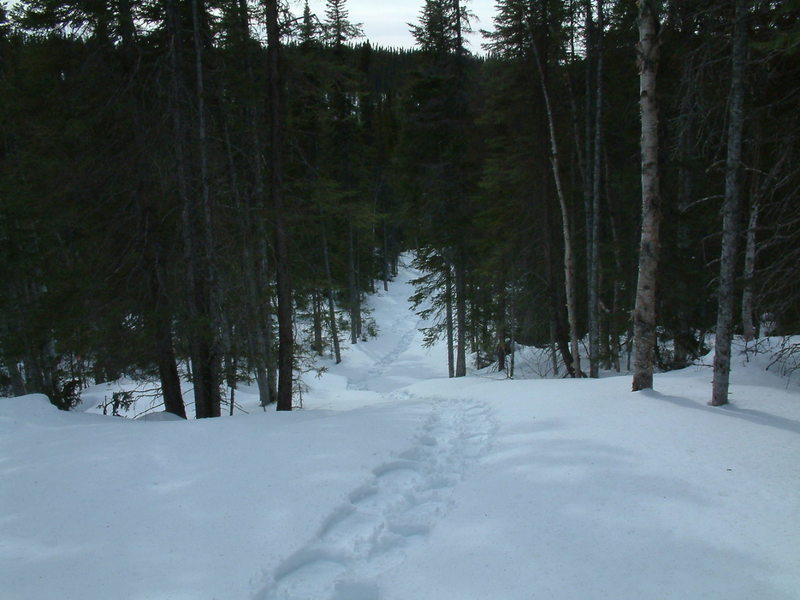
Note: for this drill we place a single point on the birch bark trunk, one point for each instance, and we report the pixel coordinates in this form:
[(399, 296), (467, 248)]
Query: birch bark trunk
[(644, 314), (449, 321), (748, 327)]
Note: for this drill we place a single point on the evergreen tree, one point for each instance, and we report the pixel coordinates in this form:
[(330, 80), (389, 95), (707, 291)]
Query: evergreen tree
[(435, 135)]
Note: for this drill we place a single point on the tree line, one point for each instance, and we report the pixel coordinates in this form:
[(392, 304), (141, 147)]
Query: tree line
[(209, 188)]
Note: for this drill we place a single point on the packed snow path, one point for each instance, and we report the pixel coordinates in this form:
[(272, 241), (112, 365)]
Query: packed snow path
[(377, 377), (400, 503), (396, 357), (404, 497)]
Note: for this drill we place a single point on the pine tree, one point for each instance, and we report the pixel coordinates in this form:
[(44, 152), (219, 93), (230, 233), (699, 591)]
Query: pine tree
[(435, 136), (277, 122)]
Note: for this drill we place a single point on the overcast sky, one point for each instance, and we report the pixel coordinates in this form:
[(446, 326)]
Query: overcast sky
[(386, 21)]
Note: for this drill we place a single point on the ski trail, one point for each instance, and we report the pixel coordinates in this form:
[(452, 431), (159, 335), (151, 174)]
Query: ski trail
[(400, 503)]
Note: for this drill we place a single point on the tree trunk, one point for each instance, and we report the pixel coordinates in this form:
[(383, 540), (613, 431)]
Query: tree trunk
[(385, 258), (34, 374), (500, 324), (559, 339), (17, 382), (127, 29), (277, 123), (730, 212), (331, 304), (208, 399), (594, 259), (357, 273), (750, 330), (748, 326), (513, 360), (682, 348), (167, 365), (614, 325), (644, 314), (256, 254), (229, 353), (259, 334), (317, 310), (255, 257), (590, 89), (588, 139), (569, 262), (461, 316), (233, 391), (196, 283), (264, 398), (449, 320), (553, 345), (352, 287)]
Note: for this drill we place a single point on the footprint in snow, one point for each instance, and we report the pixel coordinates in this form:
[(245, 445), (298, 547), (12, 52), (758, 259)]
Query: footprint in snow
[(401, 502)]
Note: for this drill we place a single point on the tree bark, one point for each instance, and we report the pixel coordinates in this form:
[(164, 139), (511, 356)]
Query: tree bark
[(352, 287), (262, 333), (387, 265), (449, 320), (196, 291), (614, 325), (317, 311), (256, 246), (587, 164), (165, 353), (644, 314), (751, 248), (208, 398), (461, 316), (277, 123), (569, 262), (230, 354), (748, 326), (500, 323), (17, 382), (594, 258), (331, 304), (730, 212), (553, 344)]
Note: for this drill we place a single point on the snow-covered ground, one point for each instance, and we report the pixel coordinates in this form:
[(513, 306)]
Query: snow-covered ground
[(396, 483)]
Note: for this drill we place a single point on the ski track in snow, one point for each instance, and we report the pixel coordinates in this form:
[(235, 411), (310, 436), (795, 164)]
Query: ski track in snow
[(399, 504)]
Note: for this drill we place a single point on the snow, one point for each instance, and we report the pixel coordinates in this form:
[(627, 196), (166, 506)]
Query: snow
[(396, 482)]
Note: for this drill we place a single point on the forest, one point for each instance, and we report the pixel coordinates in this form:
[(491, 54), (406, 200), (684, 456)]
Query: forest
[(210, 188)]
